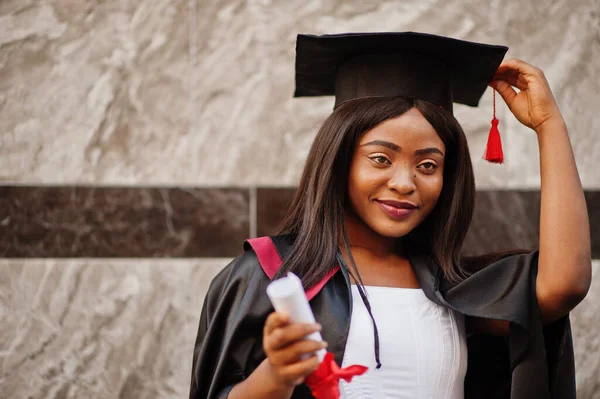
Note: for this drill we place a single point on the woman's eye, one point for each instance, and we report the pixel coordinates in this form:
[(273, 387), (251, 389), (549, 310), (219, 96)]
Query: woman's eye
[(380, 159), (428, 166)]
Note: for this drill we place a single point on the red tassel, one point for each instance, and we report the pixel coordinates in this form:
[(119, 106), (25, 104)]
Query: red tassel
[(493, 151), (324, 382)]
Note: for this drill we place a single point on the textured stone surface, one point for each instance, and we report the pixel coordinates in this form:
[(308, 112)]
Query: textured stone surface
[(272, 204), (100, 329), (122, 222), (95, 91), (502, 220), (585, 320), (190, 92), (198, 93), (160, 222)]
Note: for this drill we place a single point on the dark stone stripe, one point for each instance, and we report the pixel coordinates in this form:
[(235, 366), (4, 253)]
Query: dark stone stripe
[(211, 222), (503, 219), (511, 219), (272, 205), (122, 222)]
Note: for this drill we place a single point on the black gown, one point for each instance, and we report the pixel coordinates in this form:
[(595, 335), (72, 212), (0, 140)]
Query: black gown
[(532, 362)]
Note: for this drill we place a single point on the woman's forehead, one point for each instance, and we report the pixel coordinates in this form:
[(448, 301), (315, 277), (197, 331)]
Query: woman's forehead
[(408, 129)]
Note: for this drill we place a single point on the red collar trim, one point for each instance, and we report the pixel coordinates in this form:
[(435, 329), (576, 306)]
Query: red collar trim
[(270, 261)]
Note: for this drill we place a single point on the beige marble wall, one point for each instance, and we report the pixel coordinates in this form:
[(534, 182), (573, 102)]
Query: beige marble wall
[(198, 92), (125, 329), (585, 320), (189, 91), (100, 328)]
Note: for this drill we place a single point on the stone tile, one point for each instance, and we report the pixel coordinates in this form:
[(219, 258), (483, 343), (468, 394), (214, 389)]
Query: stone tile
[(504, 220), (99, 93), (510, 219), (108, 328), (593, 205), (259, 39), (122, 222), (585, 320), (100, 329), (272, 205), (95, 92), (564, 50)]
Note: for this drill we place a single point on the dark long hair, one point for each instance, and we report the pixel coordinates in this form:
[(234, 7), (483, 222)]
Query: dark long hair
[(315, 220)]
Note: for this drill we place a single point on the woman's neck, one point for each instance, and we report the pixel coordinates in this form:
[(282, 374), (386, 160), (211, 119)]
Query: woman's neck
[(365, 239), (379, 260)]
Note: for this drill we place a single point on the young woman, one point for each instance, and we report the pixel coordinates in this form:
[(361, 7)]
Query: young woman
[(375, 233)]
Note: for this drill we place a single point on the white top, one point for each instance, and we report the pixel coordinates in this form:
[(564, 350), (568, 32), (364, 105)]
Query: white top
[(422, 346)]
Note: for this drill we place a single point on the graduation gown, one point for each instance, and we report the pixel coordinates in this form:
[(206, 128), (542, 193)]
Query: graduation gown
[(532, 362)]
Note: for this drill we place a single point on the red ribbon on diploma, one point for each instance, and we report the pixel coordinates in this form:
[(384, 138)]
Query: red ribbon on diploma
[(324, 382)]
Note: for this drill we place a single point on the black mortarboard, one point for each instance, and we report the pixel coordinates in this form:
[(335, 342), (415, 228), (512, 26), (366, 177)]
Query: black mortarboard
[(437, 69)]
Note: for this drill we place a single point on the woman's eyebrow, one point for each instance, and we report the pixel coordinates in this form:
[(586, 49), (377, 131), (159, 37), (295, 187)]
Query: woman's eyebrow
[(430, 150), (383, 143), (395, 147)]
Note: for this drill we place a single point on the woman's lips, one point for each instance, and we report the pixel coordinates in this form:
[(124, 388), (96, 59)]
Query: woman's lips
[(395, 212)]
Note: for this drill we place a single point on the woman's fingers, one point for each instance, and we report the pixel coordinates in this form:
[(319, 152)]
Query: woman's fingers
[(505, 90), (513, 79), (282, 336), (275, 320), (516, 66), (296, 351), (285, 345), (534, 104), (518, 73), (296, 372)]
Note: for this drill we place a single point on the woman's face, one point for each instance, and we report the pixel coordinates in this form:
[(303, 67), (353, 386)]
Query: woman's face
[(396, 174)]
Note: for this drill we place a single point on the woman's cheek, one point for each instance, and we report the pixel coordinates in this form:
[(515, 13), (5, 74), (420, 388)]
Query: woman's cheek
[(432, 193)]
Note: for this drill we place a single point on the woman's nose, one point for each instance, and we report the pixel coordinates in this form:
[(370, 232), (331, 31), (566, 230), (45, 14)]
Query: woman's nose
[(402, 181)]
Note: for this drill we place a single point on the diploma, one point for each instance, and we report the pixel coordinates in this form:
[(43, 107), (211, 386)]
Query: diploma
[(287, 295)]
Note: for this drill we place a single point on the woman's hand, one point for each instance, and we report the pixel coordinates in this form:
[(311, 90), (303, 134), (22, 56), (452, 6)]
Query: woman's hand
[(534, 106), (285, 347)]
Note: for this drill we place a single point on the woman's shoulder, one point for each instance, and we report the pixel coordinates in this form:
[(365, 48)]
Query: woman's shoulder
[(252, 263), (239, 269)]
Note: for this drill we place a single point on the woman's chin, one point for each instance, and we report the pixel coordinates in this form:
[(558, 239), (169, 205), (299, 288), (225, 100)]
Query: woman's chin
[(393, 231)]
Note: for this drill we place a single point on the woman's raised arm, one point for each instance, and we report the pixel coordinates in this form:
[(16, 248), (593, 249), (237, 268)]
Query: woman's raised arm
[(564, 265)]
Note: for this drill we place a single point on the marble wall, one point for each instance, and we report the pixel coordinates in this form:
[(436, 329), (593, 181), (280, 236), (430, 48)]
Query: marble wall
[(187, 92), (142, 141), (98, 328)]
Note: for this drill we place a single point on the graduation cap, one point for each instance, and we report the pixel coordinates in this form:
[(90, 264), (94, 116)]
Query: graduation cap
[(437, 69)]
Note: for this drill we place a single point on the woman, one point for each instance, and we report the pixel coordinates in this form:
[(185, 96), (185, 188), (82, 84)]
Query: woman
[(375, 233)]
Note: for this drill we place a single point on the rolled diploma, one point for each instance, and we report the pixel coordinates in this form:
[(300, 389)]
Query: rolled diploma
[(287, 295)]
